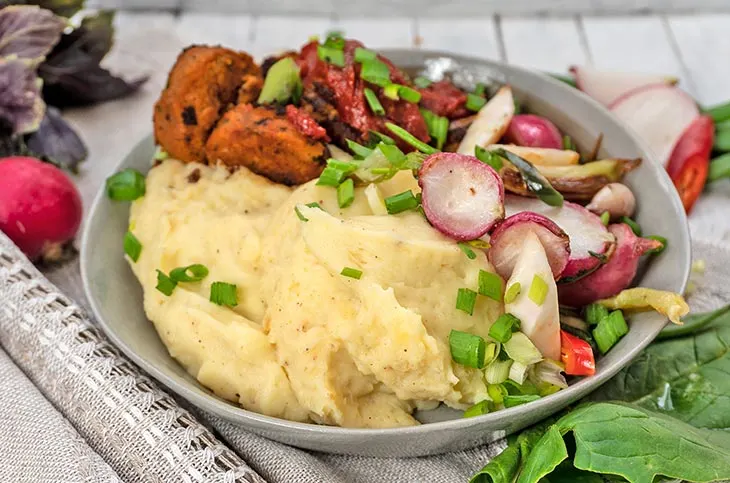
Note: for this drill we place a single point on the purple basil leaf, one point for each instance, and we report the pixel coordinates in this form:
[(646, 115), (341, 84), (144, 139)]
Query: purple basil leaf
[(21, 105), (28, 32), (89, 86), (64, 8), (57, 142)]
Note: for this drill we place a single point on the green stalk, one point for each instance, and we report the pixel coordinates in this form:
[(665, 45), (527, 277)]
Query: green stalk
[(720, 112)]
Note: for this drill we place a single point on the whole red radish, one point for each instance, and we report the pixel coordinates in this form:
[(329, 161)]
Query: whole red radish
[(40, 208), (534, 132), (690, 160)]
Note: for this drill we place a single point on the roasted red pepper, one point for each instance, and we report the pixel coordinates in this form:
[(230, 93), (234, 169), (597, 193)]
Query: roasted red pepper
[(690, 160), (577, 355), (444, 99), (305, 124)]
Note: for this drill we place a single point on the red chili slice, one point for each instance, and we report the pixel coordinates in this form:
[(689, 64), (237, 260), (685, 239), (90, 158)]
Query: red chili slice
[(577, 355)]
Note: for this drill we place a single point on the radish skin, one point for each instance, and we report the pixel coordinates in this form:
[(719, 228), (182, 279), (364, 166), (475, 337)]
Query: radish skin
[(533, 131), (541, 156), (461, 196), (616, 275), (491, 122), (606, 87), (507, 238)]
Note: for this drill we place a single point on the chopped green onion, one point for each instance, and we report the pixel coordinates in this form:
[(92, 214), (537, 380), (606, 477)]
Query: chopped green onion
[(165, 284), (374, 103), (467, 251), (502, 328), (546, 389), (475, 102), (520, 349), (518, 372), (346, 193), (538, 290), (161, 154), (282, 82), (413, 161), (605, 217), (534, 180), (594, 313), (491, 352), (331, 55), (331, 177), (334, 40), (719, 168), (361, 54), (310, 205), (635, 227), (127, 185), (480, 89), (393, 153), (313, 38), (382, 170), (391, 91), (351, 272), (467, 349), (497, 392), (517, 389), (566, 78), (498, 371), (719, 113), (609, 330), (375, 72), (479, 244), (477, 410), (661, 240), (346, 167), (438, 127), (568, 143), (488, 157), (422, 82), (191, 273), (512, 292), (410, 138), (518, 107), (409, 95), (358, 149), (400, 202), (222, 293), (335, 34), (379, 137), (132, 246), (465, 300), (512, 401), (490, 285)]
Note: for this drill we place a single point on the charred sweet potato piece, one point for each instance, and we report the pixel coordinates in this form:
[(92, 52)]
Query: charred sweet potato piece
[(202, 84), (266, 143)]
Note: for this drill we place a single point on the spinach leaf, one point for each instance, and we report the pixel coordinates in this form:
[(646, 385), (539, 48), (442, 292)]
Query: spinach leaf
[(695, 323)]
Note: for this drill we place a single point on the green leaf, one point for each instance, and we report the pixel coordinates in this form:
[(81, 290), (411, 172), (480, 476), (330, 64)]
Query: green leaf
[(545, 456)]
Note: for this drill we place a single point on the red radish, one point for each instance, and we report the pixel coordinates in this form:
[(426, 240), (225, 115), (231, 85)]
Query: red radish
[(540, 156), (40, 208), (508, 236), (586, 232), (462, 197), (606, 87), (491, 122), (689, 163), (659, 114), (534, 132), (615, 275)]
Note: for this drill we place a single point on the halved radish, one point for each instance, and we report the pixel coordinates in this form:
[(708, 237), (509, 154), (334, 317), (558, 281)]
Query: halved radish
[(461, 196), (508, 236), (615, 275), (491, 122), (533, 131), (540, 156), (606, 87), (589, 238), (659, 114)]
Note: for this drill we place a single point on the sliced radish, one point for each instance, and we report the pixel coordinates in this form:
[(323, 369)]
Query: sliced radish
[(533, 131), (507, 238), (659, 114), (491, 122), (586, 232), (615, 275), (462, 197), (541, 156), (606, 87)]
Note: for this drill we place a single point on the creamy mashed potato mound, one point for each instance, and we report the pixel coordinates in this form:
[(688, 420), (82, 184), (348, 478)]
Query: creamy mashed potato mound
[(306, 343)]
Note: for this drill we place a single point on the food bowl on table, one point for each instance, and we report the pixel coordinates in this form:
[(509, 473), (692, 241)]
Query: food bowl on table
[(116, 296)]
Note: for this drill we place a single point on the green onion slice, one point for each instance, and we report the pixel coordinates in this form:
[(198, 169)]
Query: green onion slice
[(719, 168), (490, 285), (467, 349), (497, 392), (475, 102), (222, 293), (534, 180), (661, 240), (605, 218), (334, 40), (361, 54), (467, 251), (346, 193), (331, 177), (632, 224), (609, 330), (568, 143), (512, 401), (393, 153), (409, 95), (410, 138), (512, 292), (520, 349), (400, 202), (480, 89), (282, 82), (374, 103), (465, 300), (359, 150), (375, 72), (422, 82), (127, 185), (438, 127), (346, 167), (502, 328), (488, 157), (351, 272), (538, 290), (391, 91), (132, 246), (331, 55), (498, 371), (310, 205), (477, 410), (165, 284), (379, 137), (594, 313), (191, 273), (491, 352)]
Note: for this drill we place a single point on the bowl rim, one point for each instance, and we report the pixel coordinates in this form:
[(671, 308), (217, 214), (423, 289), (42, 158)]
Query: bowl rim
[(231, 412)]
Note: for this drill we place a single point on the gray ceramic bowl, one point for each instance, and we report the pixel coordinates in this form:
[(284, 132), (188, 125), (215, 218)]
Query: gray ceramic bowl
[(116, 297)]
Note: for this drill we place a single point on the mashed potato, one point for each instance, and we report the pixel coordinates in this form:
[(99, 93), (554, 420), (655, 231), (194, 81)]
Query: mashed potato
[(304, 342)]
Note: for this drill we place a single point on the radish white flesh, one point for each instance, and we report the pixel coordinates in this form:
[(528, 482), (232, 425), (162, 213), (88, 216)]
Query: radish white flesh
[(491, 122), (533, 131), (606, 87), (541, 323), (462, 197), (586, 232), (659, 114), (506, 241), (541, 156)]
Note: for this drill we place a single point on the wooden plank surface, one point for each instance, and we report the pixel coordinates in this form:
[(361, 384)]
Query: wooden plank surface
[(379, 33), (474, 36)]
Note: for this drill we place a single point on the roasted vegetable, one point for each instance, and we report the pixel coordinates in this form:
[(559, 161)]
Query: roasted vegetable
[(491, 122), (533, 131), (641, 299)]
